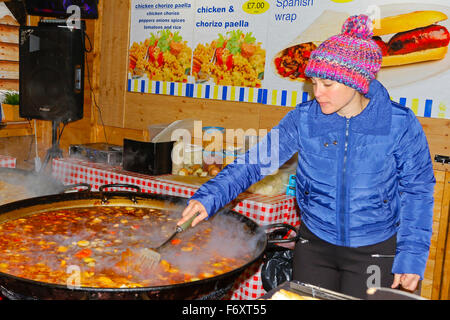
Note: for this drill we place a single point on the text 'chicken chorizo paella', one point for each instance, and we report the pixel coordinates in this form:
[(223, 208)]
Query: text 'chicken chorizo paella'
[(162, 57), (235, 59), (102, 244)]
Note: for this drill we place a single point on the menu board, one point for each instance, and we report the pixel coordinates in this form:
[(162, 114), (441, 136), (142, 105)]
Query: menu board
[(256, 50)]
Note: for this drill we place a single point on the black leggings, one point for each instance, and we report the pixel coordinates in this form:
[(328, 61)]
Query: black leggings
[(343, 269)]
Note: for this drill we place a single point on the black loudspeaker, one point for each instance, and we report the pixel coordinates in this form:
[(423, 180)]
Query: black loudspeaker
[(51, 71)]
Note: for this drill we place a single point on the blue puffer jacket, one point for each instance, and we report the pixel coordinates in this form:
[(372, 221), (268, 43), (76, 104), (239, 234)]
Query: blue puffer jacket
[(359, 180)]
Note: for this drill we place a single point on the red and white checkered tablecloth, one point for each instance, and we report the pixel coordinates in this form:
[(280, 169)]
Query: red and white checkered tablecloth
[(264, 210), (7, 162), (248, 286), (73, 171)]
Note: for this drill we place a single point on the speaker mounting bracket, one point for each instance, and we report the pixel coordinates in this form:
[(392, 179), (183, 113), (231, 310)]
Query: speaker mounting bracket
[(54, 151)]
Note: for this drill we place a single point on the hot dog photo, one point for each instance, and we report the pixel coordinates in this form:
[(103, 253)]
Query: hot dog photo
[(408, 36), (413, 37), (414, 41)]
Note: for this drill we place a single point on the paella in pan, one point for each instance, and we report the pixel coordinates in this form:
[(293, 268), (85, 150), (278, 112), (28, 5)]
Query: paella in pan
[(96, 246)]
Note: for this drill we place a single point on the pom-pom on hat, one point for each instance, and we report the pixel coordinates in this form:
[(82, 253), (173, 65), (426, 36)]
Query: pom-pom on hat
[(351, 58)]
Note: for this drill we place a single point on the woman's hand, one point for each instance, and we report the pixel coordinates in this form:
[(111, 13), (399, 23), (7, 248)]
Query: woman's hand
[(408, 281), (193, 207)]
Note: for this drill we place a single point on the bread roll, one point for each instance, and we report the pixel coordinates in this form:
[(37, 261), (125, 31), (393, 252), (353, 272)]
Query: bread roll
[(413, 57), (407, 21)]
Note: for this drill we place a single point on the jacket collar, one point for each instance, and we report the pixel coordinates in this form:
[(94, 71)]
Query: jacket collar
[(375, 119)]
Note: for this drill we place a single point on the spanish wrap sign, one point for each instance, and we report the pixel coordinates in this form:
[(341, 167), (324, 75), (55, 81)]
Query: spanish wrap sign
[(256, 50)]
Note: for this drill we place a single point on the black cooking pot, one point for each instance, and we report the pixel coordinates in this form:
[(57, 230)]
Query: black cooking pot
[(190, 290)]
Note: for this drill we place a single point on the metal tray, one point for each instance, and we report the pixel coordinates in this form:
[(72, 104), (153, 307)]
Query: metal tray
[(308, 290)]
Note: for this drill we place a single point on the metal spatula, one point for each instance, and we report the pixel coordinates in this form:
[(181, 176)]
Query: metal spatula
[(148, 258)]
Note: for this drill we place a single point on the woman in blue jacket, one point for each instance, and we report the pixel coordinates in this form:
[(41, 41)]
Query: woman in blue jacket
[(365, 179)]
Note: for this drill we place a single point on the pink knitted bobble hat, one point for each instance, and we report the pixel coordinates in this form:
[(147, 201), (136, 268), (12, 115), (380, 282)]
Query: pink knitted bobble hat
[(351, 58)]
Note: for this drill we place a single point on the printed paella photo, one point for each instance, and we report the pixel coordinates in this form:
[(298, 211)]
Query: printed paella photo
[(235, 59), (163, 56)]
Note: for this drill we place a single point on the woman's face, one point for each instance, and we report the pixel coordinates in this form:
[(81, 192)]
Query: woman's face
[(334, 96)]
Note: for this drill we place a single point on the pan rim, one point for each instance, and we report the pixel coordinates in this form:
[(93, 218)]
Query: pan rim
[(257, 230)]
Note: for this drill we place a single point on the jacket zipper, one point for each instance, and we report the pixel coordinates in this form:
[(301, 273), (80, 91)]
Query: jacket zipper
[(344, 187)]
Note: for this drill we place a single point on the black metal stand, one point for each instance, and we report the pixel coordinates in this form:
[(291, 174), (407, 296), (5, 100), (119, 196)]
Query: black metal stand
[(54, 151)]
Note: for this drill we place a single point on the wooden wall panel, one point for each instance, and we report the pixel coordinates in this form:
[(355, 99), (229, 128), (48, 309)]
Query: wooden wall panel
[(271, 115), (438, 136), (114, 61), (9, 33), (9, 70), (445, 230), (20, 147), (153, 109), (438, 127), (116, 135), (9, 53), (431, 281), (8, 84)]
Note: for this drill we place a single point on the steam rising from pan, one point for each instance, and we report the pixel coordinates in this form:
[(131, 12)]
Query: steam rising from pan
[(26, 185)]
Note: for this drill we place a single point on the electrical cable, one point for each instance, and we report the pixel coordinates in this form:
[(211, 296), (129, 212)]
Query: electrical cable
[(60, 134), (90, 84)]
